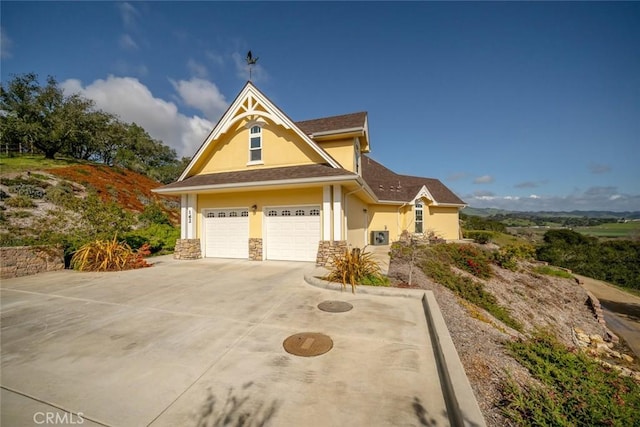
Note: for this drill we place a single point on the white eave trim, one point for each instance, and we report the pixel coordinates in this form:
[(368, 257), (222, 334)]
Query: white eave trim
[(359, 130), (314, 180)]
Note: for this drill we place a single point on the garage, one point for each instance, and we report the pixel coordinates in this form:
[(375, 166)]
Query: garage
[(292, 233), (226, 233)]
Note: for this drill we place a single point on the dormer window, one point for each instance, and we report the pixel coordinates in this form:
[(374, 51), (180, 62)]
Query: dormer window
[(255, 144)]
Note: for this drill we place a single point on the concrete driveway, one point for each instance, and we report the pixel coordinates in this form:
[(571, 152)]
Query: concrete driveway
[(195, 342)]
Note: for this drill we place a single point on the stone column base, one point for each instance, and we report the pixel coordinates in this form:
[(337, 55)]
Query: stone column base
[(255, 249), (328, 249), (187, 249)]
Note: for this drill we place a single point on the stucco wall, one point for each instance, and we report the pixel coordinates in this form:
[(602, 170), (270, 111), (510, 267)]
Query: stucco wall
[(26, 260), (280, 147), (357, 222), (342, 151), (385, 217)]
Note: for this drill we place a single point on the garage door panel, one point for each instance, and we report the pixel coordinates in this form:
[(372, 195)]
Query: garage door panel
[(292, 233), (226, 233)]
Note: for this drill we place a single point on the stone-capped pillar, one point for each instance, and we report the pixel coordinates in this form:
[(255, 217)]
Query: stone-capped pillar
[(328, 249), (187, 249), (255, 249)]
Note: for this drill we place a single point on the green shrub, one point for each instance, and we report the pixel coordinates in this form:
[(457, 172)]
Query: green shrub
[(571, 389), (371, 280), (550, 271), (509, 255), (352, 267), (20, 202), (27, 190), (154, 214), (30, 180), (160, 237), (21, 214), (469, 258), (62, 195), (479, 236), (436, 266)]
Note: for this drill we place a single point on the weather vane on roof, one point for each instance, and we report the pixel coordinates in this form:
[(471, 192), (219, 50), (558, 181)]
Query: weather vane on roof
[(250, 62)]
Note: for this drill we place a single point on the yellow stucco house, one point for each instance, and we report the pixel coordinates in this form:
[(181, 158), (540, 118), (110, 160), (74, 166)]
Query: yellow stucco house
[(264, 187)]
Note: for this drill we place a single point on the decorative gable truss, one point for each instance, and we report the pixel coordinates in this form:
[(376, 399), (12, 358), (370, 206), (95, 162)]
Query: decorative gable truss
[(253, 105)]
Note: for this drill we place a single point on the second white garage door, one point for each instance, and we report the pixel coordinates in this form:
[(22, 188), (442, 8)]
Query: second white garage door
[(292, 233), (226, 233)]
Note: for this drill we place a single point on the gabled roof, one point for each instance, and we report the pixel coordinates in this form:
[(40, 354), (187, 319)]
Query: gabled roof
[(256, 177), (250, 102), (390, 186), (333, 123), (326, 127)]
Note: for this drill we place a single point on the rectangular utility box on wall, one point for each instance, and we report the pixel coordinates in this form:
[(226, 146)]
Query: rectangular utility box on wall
[(380, 237)]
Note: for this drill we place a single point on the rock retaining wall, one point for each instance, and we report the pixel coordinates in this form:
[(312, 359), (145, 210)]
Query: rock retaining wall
[(26, 260)]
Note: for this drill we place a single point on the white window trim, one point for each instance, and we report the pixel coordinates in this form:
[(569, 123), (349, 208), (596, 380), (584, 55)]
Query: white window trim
[(418, 206), (251, 135)]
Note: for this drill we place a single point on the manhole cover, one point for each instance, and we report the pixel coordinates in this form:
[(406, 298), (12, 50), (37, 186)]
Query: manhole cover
[(335, 306), (308, 344)]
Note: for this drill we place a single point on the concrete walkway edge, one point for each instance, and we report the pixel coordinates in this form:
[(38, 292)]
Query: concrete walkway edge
[(462, 406)]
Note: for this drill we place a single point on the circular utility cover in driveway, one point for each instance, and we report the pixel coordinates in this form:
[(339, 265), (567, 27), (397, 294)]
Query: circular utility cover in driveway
[(335, 306), (308, 344)]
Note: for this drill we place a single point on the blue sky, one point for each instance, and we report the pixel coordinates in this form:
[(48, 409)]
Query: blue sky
[(523, 106)]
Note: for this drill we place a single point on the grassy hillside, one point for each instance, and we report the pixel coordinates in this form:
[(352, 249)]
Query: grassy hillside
[(71, 202)]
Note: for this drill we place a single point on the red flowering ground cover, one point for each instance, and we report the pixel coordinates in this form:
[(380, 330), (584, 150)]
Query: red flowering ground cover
[(129, 189)]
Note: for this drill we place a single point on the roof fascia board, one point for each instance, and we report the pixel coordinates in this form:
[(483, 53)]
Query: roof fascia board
[(275, 114), (357, 130), (315, 180)]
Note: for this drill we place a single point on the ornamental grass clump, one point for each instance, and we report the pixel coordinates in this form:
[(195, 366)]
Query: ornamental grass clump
[(352, 267), (109, 255)]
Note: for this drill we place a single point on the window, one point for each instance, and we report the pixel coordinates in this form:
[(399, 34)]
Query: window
[(221, 214), (314, 212), (255, 144), (286, 212), (244, 213), (233, 214), (272, 213), (419, 212), (299, 212)]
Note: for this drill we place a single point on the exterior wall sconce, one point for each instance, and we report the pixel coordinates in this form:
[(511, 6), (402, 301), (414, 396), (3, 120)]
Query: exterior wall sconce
[(254, 208), (364, 210)]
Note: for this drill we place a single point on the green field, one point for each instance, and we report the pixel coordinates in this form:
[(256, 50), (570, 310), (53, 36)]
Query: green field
[(26, 163), (626, 230)]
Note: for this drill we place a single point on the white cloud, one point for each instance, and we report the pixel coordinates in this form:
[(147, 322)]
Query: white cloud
[(214, 58), (457, 176), (599, 168), (197, 69), (5, 45), (128, 13), (127, 42), (203, 95), (484, 179), (594, 198), (133, 102)]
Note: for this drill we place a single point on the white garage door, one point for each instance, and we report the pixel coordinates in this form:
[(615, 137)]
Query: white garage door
[(293, 233), (226, 233)]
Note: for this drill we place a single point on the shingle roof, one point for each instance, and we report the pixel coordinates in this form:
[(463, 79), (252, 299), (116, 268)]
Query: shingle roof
[(260, 175), (388, 185), (325, 124)]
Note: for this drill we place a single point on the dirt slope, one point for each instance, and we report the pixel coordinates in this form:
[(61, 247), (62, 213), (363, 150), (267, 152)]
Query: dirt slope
[(535, 301)]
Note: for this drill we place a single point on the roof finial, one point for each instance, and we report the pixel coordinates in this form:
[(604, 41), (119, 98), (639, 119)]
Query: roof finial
[(251, 61)]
